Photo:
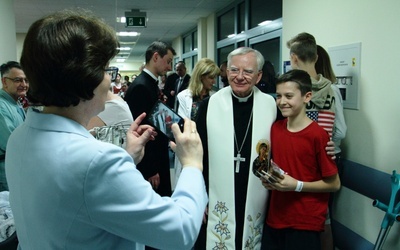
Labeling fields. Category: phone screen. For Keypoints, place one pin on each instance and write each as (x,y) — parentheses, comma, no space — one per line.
(162,117)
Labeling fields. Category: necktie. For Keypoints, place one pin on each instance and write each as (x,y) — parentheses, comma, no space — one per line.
(176,93)
(179,84)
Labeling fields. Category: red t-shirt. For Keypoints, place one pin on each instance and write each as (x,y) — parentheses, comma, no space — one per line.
(303,156)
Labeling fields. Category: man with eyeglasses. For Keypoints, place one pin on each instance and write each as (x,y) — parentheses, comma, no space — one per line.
(231,123)
(15,85)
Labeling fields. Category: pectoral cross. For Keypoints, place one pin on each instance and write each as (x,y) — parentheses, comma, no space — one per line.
(238,159)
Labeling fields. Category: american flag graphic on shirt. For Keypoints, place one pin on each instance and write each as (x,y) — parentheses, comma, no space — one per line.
(324,118)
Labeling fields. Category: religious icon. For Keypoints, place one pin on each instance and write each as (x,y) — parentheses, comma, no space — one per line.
(261,163)
(263,166)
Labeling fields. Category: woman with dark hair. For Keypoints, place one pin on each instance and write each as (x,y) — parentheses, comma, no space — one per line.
(71,191)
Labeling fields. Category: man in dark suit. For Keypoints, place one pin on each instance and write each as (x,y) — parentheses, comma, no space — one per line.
(141,96)
(169,83)
(173,88)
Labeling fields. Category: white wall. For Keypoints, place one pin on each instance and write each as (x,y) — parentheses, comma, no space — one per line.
(211,37)
(373,134)
(8,50)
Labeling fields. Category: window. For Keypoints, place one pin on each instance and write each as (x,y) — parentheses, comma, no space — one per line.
(189,55)
(245,16)
(264,10)
(241,18)
(226,24)
(223,53)
(187,43)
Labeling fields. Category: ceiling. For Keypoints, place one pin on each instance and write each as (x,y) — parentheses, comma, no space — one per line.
(167,19)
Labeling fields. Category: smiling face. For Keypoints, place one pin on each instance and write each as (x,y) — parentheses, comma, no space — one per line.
(243,74)
(14,83)
(289,99)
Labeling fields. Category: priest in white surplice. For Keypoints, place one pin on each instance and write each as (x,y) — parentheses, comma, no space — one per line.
(231,123)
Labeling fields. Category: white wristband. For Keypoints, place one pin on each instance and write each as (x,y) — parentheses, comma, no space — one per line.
(299,186)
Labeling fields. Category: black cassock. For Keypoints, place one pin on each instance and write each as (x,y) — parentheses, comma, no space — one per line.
(241,114)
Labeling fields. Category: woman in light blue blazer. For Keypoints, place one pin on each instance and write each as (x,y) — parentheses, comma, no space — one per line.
(71,191)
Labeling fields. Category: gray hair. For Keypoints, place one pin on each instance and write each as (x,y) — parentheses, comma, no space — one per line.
(244,51)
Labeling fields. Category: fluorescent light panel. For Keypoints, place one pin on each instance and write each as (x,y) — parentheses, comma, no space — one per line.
(265,23)
(125,33)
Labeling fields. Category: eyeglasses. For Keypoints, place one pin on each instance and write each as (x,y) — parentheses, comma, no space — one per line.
(247,73)
(113,72)
(18,80)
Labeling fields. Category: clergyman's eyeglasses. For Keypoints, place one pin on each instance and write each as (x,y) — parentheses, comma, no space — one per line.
(247,73)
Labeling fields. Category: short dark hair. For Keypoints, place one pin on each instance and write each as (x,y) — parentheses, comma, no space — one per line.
(6,67)
(64,57)
(301,77)
(304,46)
(160,47)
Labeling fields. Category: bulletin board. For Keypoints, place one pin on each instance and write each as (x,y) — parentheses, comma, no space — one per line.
(346,61)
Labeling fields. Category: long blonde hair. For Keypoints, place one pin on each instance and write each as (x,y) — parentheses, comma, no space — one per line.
(204,67)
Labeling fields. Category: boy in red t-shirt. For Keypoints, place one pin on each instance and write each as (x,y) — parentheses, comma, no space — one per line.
(299,197)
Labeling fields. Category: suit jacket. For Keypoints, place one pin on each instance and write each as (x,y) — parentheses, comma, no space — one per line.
(141,96)
(184,85)
(170,85)
(173,86)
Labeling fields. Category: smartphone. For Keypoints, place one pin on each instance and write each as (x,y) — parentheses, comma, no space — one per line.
(162,117)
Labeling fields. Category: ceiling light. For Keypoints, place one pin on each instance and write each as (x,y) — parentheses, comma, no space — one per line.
(127,43)
(120,60)
(125,33)
(121,19)
(124,48)
(265,23)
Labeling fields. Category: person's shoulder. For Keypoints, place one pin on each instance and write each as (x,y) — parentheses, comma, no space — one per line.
(143,76)
(184,94)
(335,89)
(4,96)
(204,103)
(103,154)
(134,89)
(279,123)
(140,82)
(3,100)
(317,130)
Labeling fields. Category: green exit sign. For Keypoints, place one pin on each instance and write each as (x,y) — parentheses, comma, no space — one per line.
(139,21)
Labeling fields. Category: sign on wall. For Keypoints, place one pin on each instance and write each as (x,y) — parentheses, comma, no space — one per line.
(139,21)
(286,66)
(345,61)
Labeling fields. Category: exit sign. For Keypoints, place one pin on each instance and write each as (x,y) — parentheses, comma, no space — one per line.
(139,21)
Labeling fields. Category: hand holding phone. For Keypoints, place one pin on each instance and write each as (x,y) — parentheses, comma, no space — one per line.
(162,117)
